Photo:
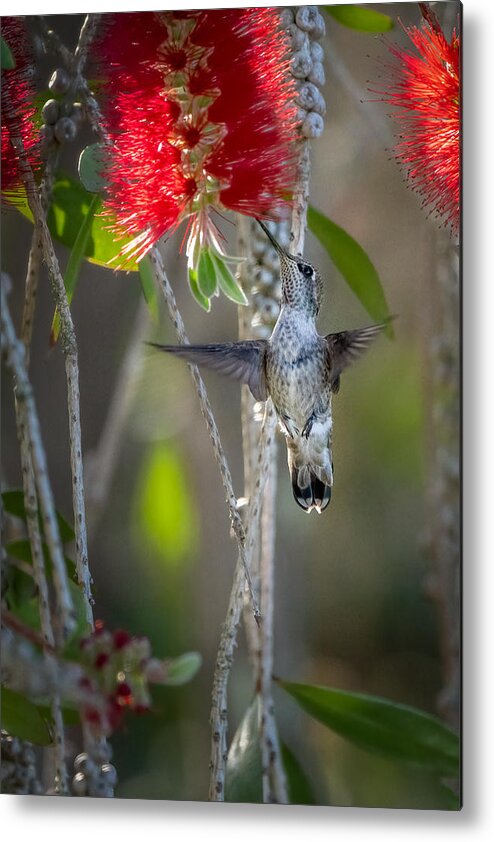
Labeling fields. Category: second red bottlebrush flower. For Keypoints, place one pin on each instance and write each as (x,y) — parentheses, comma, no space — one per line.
(425,89)
(199,108)
(18,110)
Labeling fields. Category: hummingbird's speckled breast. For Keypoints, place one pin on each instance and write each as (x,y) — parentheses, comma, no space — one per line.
(297,371)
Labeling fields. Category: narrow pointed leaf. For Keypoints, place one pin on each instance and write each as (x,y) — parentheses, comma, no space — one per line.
(74,263)
(17,586)
(148,287)
(299,786)
(206,274)
(13,503)
(7,59)
(91,167)
(21,718)
(382,727)
(182,669)
(353,263)
(201,299)
(361,18)
(227,283)
(243,782)
(244,768)
(21,550)
(69,204)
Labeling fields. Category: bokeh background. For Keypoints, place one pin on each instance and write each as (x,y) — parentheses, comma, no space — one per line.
(351,586)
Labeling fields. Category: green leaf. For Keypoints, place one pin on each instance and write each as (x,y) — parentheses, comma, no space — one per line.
(28,614)
(182,669)
(70,716)
(13,503)
(22,551)
(68,208)
(361,18)
(243,783)
(206,274)
(91,167)
(299,786)
(74,263)
(18,587)
(71,650)
(353,263)
(7,59)
(148,287)
(228,284)
(196,292)
(383,727)
(21,718)
(451,798)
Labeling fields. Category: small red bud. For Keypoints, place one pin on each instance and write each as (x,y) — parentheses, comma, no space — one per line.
(123,694)
(121,638)
(101,660)
(92,716)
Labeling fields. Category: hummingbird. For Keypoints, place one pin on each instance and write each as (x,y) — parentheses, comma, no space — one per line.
(298,369)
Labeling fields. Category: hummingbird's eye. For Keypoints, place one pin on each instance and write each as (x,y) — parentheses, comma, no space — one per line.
(305,269)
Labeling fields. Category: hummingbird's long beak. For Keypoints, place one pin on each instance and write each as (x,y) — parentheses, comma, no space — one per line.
(274,243)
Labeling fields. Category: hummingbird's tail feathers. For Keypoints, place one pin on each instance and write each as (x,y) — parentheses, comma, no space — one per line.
(321,494)
(311,474)
(309,491)
(301,493)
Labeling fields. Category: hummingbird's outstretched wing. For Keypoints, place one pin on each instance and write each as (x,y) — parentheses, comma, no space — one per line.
(345,347)
(242,361)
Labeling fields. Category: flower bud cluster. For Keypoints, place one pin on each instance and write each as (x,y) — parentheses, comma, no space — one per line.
(305,27)
(115,673)
(61,117)
(94,775)
(19,775)
(264,268)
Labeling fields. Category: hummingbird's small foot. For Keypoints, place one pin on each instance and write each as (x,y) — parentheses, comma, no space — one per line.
(288,427)
(308,426)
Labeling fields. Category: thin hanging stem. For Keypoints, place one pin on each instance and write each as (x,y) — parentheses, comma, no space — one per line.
(39,574)
(69,346)
(235,519)
(228,639)
(29,431)
(273,774)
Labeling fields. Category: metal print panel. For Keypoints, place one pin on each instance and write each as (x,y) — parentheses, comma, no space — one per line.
(231,405)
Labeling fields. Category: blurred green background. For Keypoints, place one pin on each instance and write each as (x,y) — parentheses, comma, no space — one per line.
(351,610)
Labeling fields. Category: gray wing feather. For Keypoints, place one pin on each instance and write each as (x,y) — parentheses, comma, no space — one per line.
(243,361)
(347,346)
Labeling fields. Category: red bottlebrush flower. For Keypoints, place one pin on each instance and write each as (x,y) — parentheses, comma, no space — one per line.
(199,108)
(17,105)
(426,90)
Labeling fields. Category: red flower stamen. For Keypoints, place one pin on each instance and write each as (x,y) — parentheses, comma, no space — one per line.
(18,111)
(425,90)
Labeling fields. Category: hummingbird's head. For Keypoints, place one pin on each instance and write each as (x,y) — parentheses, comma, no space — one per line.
(301,283)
